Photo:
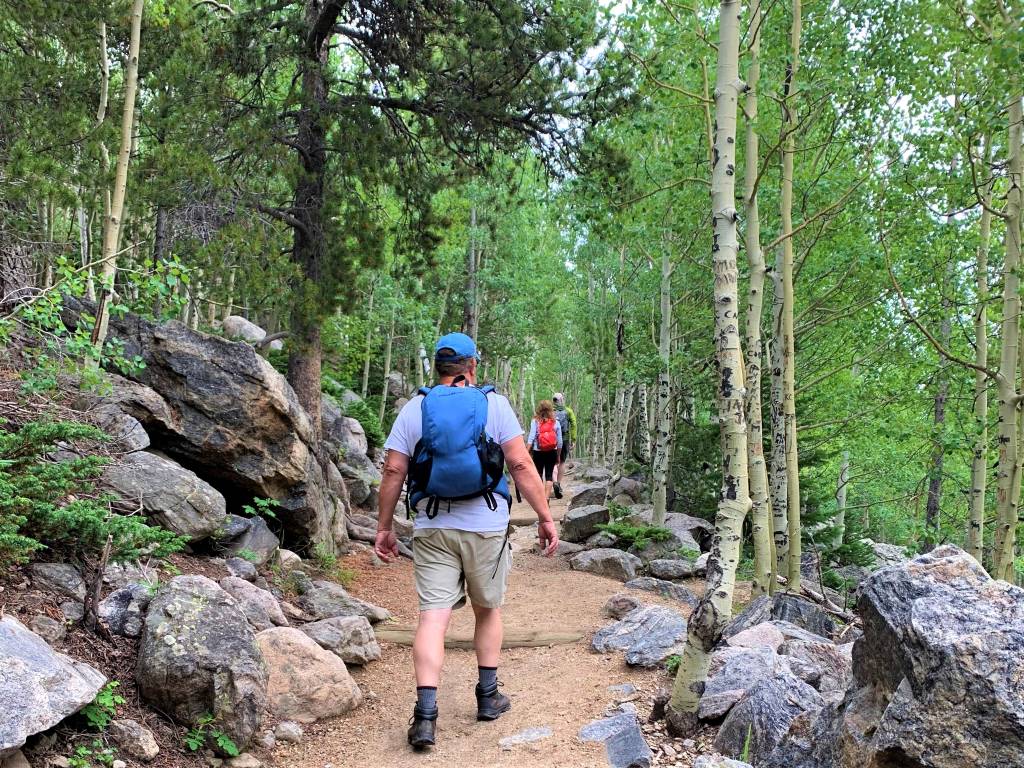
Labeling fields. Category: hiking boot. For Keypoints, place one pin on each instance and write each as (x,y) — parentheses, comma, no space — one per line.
(491,706)
(558,490)
(422,725)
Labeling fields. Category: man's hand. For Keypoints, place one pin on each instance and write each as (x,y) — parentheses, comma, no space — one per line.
(386,545)
(547,535)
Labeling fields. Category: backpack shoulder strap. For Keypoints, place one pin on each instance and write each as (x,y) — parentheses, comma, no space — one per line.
(424,391)
(487,389)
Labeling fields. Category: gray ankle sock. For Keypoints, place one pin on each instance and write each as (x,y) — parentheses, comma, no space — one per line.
(488,679)
(426,697)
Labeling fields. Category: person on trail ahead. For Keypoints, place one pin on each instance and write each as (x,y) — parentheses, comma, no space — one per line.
(452,441)
(567,421)
(545,442)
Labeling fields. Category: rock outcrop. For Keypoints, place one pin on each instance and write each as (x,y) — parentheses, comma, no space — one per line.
(198,656)
(936,676)
(581,523)
(648,635)
(38,686)
(610,563)
(349,637)
(307,683)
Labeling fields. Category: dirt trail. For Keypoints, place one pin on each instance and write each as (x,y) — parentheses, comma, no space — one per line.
(562,687)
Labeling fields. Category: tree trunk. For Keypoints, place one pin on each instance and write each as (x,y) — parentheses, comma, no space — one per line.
(709,618)
(931,513)
(788,349)
(112,224)
(663,403)
(1006,500)
(369,341)
(161,244)
(469,311)
(643,425)
(979,461)
(841,487)
(760,514)
(779,487)
(388,346)
(84,244)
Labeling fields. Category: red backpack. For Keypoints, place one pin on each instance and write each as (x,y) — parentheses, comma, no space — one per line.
(547,440)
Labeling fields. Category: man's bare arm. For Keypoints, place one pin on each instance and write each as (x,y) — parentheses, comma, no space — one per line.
(396,466)
(531,487)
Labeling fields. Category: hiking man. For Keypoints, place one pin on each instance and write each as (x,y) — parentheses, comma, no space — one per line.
(452,441)
(567,421)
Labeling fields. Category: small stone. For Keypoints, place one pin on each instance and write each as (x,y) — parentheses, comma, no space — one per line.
(214,762)
(689,744)
(119,764)
(17,760)
(619,605)
(266,740)
(51,630)
(59,762)
(241,569)
(244,760)
(73,611)
(527,736)
(668,750)
(135,739)
(289,732)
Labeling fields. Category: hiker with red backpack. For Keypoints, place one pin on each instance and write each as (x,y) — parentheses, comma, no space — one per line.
(452,442)
(545,442)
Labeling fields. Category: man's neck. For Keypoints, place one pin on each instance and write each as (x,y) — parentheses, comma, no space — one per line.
(467,380)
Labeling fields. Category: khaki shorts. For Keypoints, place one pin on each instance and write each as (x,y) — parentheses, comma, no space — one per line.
(449,564)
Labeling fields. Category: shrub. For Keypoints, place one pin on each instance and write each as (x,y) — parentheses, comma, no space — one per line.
(104,707)
(636,535)
(56,502)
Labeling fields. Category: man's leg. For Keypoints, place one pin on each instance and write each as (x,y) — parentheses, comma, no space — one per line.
(487,636)
(428,646)
(488,561)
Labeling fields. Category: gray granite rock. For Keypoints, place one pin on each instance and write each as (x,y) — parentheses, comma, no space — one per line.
(593,494)
(619,605)
(51,630)
(527,736)
(664,588)
(764,715)
(124,609)
(717,761)
(134,739)
(671,569)
(241,569)
(648,635)
(625,746)
(350,637)
(733,672)
(257,542)
(259,606)
(325,600)
(610,563)
(62,578)
(38,686)
(581,523)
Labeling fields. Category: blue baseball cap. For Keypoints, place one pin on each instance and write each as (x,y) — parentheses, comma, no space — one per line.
(461,345)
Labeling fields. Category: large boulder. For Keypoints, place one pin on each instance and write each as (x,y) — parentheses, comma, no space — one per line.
(594,473)
(176,497)
(672,545)
(257,543)
(695,533)
(887,555)
(664,588)
(62,578)
(125,431)
(124,609)
(648,635)
(627,486)
(220,409)
(733,672)
(581,523)
(624,743)
(38,686)
(307,683)
(762,718)
(198,657)
(588,495)
(349,637)
(238,328)
(783,607)
(259,606)
(325,600)
(936,676)
(610,563)
(670,569)
(833,662)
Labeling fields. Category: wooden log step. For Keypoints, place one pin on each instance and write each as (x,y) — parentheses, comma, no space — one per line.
(403,635)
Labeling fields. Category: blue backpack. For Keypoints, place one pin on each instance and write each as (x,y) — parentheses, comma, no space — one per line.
(455,459)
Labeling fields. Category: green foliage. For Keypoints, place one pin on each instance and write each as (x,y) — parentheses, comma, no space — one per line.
(640,536)
(103,708)
(247,554)
(360,411)
(327,562)
(206,730)
(44,502)
(617,511)
(85,754)
(745,569)
(745,754)
(688,554)
(261,507)
(672,663)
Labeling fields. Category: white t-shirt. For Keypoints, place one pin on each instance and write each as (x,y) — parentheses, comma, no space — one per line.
(470,514)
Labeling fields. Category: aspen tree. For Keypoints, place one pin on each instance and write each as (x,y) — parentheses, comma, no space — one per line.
(112,223)
(760,513)
(713,611)
(788,342)
(663,401)
(1007,502)
(778,487)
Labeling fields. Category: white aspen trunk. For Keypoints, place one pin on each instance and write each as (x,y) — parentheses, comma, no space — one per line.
(1006,498)
(521,401)
(663,402)
(112,225)
(760,513)
(709,618)
(622,442)
(369,340)
(422,366)
(788,349)
(388,346)
(979,460)
(841,487)
(643,425)
(84,243)
(469,311)
(778,487)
